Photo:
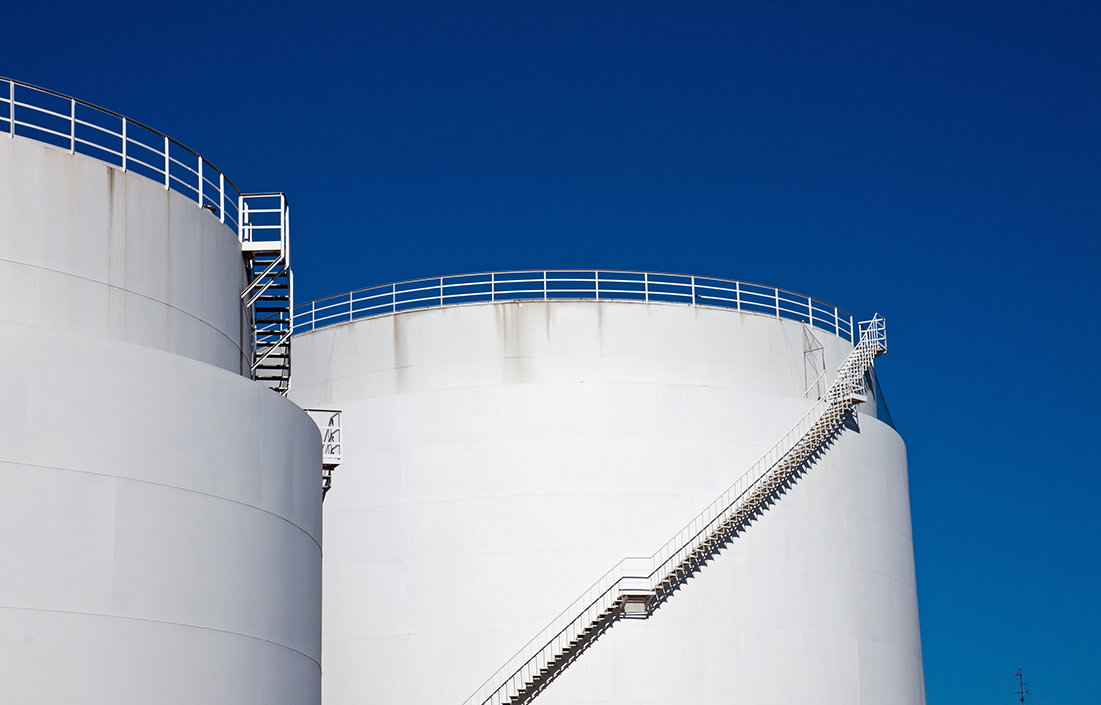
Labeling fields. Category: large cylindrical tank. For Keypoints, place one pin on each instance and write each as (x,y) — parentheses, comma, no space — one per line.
(159,512)
(500,457)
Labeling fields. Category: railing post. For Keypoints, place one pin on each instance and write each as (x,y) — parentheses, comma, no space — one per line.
(738,295)
(693,291)
(441,292)
(492,287)
(646,285)
(11,113)
(393,298)
(72,125)
(596,282)
(852,330)
(836,323)
(544,285)
(200,182)
(222,197)
(810,311)
(166,163)
(776,293)
(124,139)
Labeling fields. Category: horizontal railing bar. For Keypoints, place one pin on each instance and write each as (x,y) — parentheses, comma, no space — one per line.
(42,111)
(99,127)
(185,166)
(97,146)
(42,129)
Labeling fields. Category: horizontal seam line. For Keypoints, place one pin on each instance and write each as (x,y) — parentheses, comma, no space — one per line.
(160,621)
(128,291)
(174,487)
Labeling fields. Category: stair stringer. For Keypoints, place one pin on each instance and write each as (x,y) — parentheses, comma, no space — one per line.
(635,587)
(268,298)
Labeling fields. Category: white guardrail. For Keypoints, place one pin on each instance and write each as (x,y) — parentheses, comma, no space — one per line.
(82,128)
(600,285)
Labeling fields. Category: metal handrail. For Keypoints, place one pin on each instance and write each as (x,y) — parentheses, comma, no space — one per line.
(655,573)
(559,284)
(83,128)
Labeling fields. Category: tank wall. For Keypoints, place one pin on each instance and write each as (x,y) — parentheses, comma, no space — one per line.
(560,341)
(160,513)
(88,249)
(486,484)
(162,529)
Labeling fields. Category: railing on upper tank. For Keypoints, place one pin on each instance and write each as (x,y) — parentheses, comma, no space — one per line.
(82,128)
(598,285)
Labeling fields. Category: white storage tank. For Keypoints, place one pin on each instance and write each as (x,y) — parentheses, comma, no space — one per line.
(508,439)
(159,511)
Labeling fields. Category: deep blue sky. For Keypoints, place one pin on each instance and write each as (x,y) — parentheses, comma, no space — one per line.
(937,163)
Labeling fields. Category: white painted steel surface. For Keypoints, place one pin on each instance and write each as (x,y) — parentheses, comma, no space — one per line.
(94,251)
(82,128)
(499,458)
(159,512)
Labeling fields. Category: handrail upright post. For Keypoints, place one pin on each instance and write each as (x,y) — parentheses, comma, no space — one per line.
(72,125)
(544,285)
(810,311)
(166,163)
(200,182)
(124,144)
(693,291)
(738,295)
(222,197)
(646,285)
(11,112)
(776,294)
(441,292)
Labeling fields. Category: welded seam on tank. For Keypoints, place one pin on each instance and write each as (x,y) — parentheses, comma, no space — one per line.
(814,561)
(128,291)
(162,621)
(172,487)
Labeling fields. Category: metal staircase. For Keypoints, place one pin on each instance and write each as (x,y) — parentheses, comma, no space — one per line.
(268,299)
(637,586)
(328,422)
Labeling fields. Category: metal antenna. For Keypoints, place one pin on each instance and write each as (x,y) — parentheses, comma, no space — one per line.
(1021,685)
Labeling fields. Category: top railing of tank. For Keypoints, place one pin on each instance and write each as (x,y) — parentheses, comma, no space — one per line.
(82,128)
(599,285)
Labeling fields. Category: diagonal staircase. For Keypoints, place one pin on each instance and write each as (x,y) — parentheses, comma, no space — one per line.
(637,586)
(268,298)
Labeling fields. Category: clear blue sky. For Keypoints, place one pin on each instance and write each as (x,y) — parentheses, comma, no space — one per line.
(937,163)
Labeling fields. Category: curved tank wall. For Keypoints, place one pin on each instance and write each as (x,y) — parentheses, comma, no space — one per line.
(91,250)
(160,513)
(499,458)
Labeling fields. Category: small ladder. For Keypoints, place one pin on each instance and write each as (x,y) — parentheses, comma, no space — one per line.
(328,423)
(268,298)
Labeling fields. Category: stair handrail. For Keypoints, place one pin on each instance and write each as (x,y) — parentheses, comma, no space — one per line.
(553,640)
